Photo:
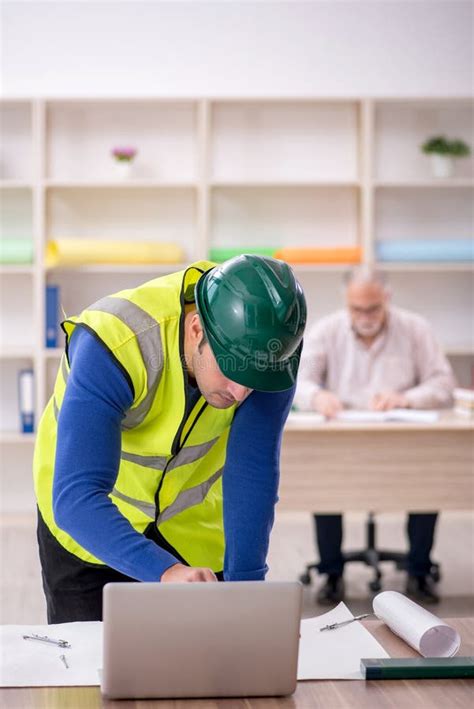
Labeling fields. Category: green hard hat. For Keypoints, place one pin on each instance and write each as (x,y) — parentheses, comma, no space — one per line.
(253,313)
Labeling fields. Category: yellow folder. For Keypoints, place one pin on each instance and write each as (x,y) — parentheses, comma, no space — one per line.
(79,252)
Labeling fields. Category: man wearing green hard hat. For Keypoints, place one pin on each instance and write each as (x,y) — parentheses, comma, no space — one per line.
(157,457)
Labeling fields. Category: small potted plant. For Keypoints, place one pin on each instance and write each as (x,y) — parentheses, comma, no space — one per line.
(124,157)
(442,152)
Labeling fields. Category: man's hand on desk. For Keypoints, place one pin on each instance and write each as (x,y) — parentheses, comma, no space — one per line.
(387,400)
(179,573)
(327,404)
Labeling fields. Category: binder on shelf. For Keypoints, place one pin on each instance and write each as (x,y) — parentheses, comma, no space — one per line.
(52,315)
(26,399)
(426,250)
(320,255)
(16,251)
(83,252)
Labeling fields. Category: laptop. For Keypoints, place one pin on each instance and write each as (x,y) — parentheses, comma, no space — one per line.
(233,639)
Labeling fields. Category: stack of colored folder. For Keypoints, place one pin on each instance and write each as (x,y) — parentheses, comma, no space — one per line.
(16,251)
(334,255)
(81,252)
(330,255)
(426,250)
(223,254)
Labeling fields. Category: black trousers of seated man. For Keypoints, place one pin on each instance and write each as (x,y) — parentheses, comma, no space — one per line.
(420,530)
(72,587)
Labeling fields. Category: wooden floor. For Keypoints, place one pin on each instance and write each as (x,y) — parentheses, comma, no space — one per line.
(21,597)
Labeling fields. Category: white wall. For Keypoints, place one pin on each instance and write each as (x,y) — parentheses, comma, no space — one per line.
(383,47)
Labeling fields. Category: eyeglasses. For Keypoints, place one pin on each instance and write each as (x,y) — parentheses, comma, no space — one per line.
(370,311)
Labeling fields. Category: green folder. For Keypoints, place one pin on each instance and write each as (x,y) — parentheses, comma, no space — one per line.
(16,251)
(224,254)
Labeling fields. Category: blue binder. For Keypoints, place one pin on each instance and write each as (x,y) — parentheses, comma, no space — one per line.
(52,315)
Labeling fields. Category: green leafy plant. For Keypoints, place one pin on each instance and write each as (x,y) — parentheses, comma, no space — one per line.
(459,149)
(440,145)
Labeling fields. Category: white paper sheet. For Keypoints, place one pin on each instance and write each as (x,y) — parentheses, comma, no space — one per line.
(306,417)
(425,632)
(335,654)
(403,415)
(31,663)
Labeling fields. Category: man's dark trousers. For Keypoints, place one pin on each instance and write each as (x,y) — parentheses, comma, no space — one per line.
(420,529)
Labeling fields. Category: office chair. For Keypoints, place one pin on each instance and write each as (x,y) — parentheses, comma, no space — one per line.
(371,556)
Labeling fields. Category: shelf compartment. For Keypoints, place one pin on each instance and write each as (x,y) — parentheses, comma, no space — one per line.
(123,214)
(81,288)
(16,214)
(81,135)
(407,214)
(284,142)
(402,127)
(279,217)
(16,162)
(18,323)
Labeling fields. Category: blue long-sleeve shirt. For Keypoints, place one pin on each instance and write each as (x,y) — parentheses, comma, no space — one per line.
(88,455)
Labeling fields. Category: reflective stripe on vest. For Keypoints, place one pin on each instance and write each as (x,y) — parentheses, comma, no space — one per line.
(147,331)
(64,369)
(188,498)
(185,456)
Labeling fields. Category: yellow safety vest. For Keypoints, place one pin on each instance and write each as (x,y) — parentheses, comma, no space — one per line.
(171,464)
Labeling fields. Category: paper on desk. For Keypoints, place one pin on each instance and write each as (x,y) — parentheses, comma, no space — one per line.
(305,417)
(31,663)
(335,654)
(425,632)
(408,415)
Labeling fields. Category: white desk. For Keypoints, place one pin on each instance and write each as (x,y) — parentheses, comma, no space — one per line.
(339,466)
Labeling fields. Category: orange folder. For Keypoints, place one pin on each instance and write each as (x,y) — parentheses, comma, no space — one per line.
(334,254)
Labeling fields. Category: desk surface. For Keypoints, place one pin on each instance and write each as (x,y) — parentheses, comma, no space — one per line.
(312,694)
(385,467)
(447,421)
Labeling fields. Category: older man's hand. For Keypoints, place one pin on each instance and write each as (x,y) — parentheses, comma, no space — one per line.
(179,573)
(386,400)
(327,403)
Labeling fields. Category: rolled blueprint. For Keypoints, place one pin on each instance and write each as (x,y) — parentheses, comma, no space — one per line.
(425,632)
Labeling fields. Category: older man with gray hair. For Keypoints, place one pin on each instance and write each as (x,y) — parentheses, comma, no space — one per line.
(373,356)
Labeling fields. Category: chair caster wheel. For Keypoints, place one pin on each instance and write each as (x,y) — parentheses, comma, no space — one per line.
(305,579)
(375,586)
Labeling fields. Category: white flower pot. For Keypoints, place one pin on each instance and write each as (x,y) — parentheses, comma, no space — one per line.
(123,169)
(442,165)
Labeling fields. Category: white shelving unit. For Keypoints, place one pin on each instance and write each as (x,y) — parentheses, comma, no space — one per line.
(227,173)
